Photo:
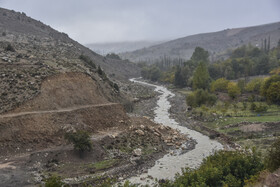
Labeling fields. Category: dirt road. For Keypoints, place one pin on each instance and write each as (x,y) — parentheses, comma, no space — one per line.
(55,111)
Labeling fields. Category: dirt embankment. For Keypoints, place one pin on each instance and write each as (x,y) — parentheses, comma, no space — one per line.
(63,91)
(68,100)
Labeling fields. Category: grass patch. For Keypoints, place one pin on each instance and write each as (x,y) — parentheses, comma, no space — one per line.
(104,164)
(234,120)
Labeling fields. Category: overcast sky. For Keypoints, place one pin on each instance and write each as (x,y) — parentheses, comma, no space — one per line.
(91,21)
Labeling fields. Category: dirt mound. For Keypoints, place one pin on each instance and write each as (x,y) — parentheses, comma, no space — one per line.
(65,90)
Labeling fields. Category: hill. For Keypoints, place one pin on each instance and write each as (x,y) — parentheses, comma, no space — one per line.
(31,51)
(120,47)
(18,28)
(217,43)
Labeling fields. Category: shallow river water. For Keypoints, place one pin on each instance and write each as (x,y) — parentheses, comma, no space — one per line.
(170,164)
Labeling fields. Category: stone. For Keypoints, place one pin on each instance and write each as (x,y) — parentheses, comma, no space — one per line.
(137,152)
(157,134)
(140,132)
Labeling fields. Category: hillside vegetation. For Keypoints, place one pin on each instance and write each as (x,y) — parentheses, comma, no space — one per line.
(217,43)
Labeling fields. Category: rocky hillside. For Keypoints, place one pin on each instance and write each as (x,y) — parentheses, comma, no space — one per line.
(16,27)
(31,51)
(217,43)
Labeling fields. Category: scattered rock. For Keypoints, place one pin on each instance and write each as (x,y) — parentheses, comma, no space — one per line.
(140,132)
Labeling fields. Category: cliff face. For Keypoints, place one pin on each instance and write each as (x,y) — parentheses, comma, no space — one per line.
(217,43)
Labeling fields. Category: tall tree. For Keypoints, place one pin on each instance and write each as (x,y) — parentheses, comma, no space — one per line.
(199,55)
(201,77)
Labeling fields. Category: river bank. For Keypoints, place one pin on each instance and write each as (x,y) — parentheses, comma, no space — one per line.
(170,164)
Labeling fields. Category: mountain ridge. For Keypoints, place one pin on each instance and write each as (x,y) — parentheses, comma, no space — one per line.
(217,43)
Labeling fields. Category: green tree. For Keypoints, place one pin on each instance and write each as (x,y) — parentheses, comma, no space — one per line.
(201,97)
(233,90)
(201,78)
(219,85)
(254,85)
(199,55)
(272,159)
(223,168)
(266,84)
(273,93)
(80,139)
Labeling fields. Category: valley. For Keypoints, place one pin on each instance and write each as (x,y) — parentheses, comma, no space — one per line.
(201,110)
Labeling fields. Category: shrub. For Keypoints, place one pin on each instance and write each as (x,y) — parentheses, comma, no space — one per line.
(253,106)
(272,159)
(116,87)
(219,85)
(261,108)
(224,168)
(273,93)
(10,48)
(267,83)
(87,61)
(201,97)
(233,90)
(254,85)
(241,84)
(100,71)
(80,139)
(113,56)
(54,181)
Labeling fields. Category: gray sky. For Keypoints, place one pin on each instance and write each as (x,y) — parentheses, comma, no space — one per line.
(89,21)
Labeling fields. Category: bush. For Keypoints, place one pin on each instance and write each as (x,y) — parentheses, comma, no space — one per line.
(87,61)
(54,181)
(273,93)
(201,97)
(80,139)
(272,159)
(261,108)
(224,168)
(254,85)
(219,85)
(113,56)
(116,87)
(267,83)
(100,71)
(233,90)
(10,48)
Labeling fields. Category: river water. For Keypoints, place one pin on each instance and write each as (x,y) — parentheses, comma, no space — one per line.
(171,163)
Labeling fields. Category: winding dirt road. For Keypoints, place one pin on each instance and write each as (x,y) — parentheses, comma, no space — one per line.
(9,115)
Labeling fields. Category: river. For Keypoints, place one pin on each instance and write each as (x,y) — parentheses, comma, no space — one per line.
(171,163)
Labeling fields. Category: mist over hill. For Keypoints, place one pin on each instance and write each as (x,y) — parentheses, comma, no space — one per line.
(217,43)
(120,47)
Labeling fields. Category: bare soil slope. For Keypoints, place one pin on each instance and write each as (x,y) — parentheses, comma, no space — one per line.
(67,101)
(66,90)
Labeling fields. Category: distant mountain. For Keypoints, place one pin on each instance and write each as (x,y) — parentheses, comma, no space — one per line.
(217,43)
(120,47)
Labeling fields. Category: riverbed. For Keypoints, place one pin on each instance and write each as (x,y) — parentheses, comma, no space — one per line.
(171,163)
